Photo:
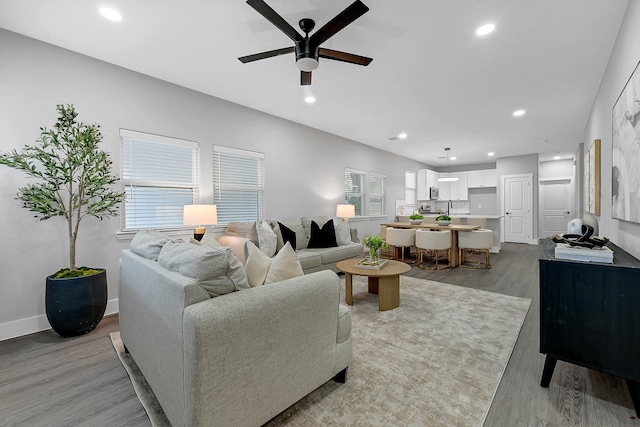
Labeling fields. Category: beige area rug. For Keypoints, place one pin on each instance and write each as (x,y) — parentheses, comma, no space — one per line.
(436,360)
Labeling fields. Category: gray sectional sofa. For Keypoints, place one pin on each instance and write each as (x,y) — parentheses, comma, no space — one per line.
(312,259)
(238,359)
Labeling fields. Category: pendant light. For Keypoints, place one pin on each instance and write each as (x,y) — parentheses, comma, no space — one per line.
(451,178)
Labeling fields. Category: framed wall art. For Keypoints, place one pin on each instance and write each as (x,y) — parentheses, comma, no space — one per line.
(625,156)
(592,179)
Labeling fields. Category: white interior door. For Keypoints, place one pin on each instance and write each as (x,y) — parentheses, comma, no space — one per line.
(555,207)
(517,201)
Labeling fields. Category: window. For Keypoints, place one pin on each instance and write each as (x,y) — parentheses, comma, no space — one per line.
(237,184)
(376,194)
(160,176)
(354,192)
(410,189)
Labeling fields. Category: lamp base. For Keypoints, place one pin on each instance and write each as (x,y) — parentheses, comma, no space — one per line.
(198,233)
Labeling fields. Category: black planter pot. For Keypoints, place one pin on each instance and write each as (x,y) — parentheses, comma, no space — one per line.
(76,305)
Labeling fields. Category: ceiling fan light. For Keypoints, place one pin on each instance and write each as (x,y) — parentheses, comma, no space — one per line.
(307,64)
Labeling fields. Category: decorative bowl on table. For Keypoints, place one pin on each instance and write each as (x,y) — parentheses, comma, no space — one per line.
(443,221)
(415,221)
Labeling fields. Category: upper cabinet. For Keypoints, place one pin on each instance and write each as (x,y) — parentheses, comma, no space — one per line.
(426,179)
(482,178)
(454,190)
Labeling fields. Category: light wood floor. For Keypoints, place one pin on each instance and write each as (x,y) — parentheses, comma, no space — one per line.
(49,381)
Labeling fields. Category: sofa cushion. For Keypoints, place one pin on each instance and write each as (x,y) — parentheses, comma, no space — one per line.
(148,244)
(209,239)
(343,233)
(288,235)
(267,239)
(217,270)
(243,229)
(275,226)
(324,237)
(257,265)
(309,258)
(295,224)
(331,255)
(306,223)
(284,265)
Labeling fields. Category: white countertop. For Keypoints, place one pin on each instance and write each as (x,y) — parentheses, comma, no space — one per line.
(434,215)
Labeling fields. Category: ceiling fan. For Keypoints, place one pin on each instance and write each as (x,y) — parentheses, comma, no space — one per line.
(307,49)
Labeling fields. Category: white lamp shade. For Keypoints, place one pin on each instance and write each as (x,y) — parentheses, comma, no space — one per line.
(346,211)
(200,214)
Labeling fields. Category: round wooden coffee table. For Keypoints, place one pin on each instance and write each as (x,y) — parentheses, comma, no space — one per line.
(384,282)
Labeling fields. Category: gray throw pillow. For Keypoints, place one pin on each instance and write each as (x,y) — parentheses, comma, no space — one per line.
(148,244)
(343,233)
(268,241)
(217,270)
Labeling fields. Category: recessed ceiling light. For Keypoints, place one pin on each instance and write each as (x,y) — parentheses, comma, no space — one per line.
(402,135)
(110,14)
(485,29)
(310,99)
(518,113)
(491,153)
(452,158)
(556,157)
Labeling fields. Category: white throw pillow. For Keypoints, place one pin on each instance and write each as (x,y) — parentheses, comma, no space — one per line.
(267,239)
(257,265)
(285,265)
(343,233)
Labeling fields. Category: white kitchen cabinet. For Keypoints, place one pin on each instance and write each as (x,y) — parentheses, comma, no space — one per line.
(454,190)
(426,179)
(482,178)
(422,190)
(432,178)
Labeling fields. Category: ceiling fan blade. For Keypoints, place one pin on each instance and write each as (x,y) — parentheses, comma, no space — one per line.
(264,55)
(341,20)
(272,16)
(344,57)
(305,78)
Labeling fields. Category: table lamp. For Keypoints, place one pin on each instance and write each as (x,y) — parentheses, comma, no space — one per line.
(199,215)
(345,212)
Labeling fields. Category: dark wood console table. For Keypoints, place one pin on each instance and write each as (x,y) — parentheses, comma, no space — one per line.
(590,315)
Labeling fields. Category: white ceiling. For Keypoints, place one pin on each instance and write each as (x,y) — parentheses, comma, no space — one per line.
(431,76)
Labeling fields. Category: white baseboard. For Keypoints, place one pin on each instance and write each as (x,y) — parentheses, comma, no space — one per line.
(30,325)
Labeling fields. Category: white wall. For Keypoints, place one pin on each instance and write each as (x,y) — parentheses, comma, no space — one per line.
(623,60)
(304,167)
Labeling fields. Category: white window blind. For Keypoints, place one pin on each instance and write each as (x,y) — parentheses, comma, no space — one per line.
(376,194)
(354,189)
(160,176)
(238,184)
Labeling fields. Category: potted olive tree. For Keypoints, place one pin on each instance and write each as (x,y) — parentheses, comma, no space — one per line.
(74,181)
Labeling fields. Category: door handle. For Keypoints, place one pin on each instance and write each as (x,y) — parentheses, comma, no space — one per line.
(568,213)
(508,213)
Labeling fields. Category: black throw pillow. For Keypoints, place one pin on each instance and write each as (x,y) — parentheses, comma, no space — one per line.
(288,235)
(324,237)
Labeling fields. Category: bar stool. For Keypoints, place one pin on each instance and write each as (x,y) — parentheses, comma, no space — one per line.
(476,241)
(434,242)
(400,238)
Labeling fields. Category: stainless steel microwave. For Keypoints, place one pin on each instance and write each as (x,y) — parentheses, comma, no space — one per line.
(433,193)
